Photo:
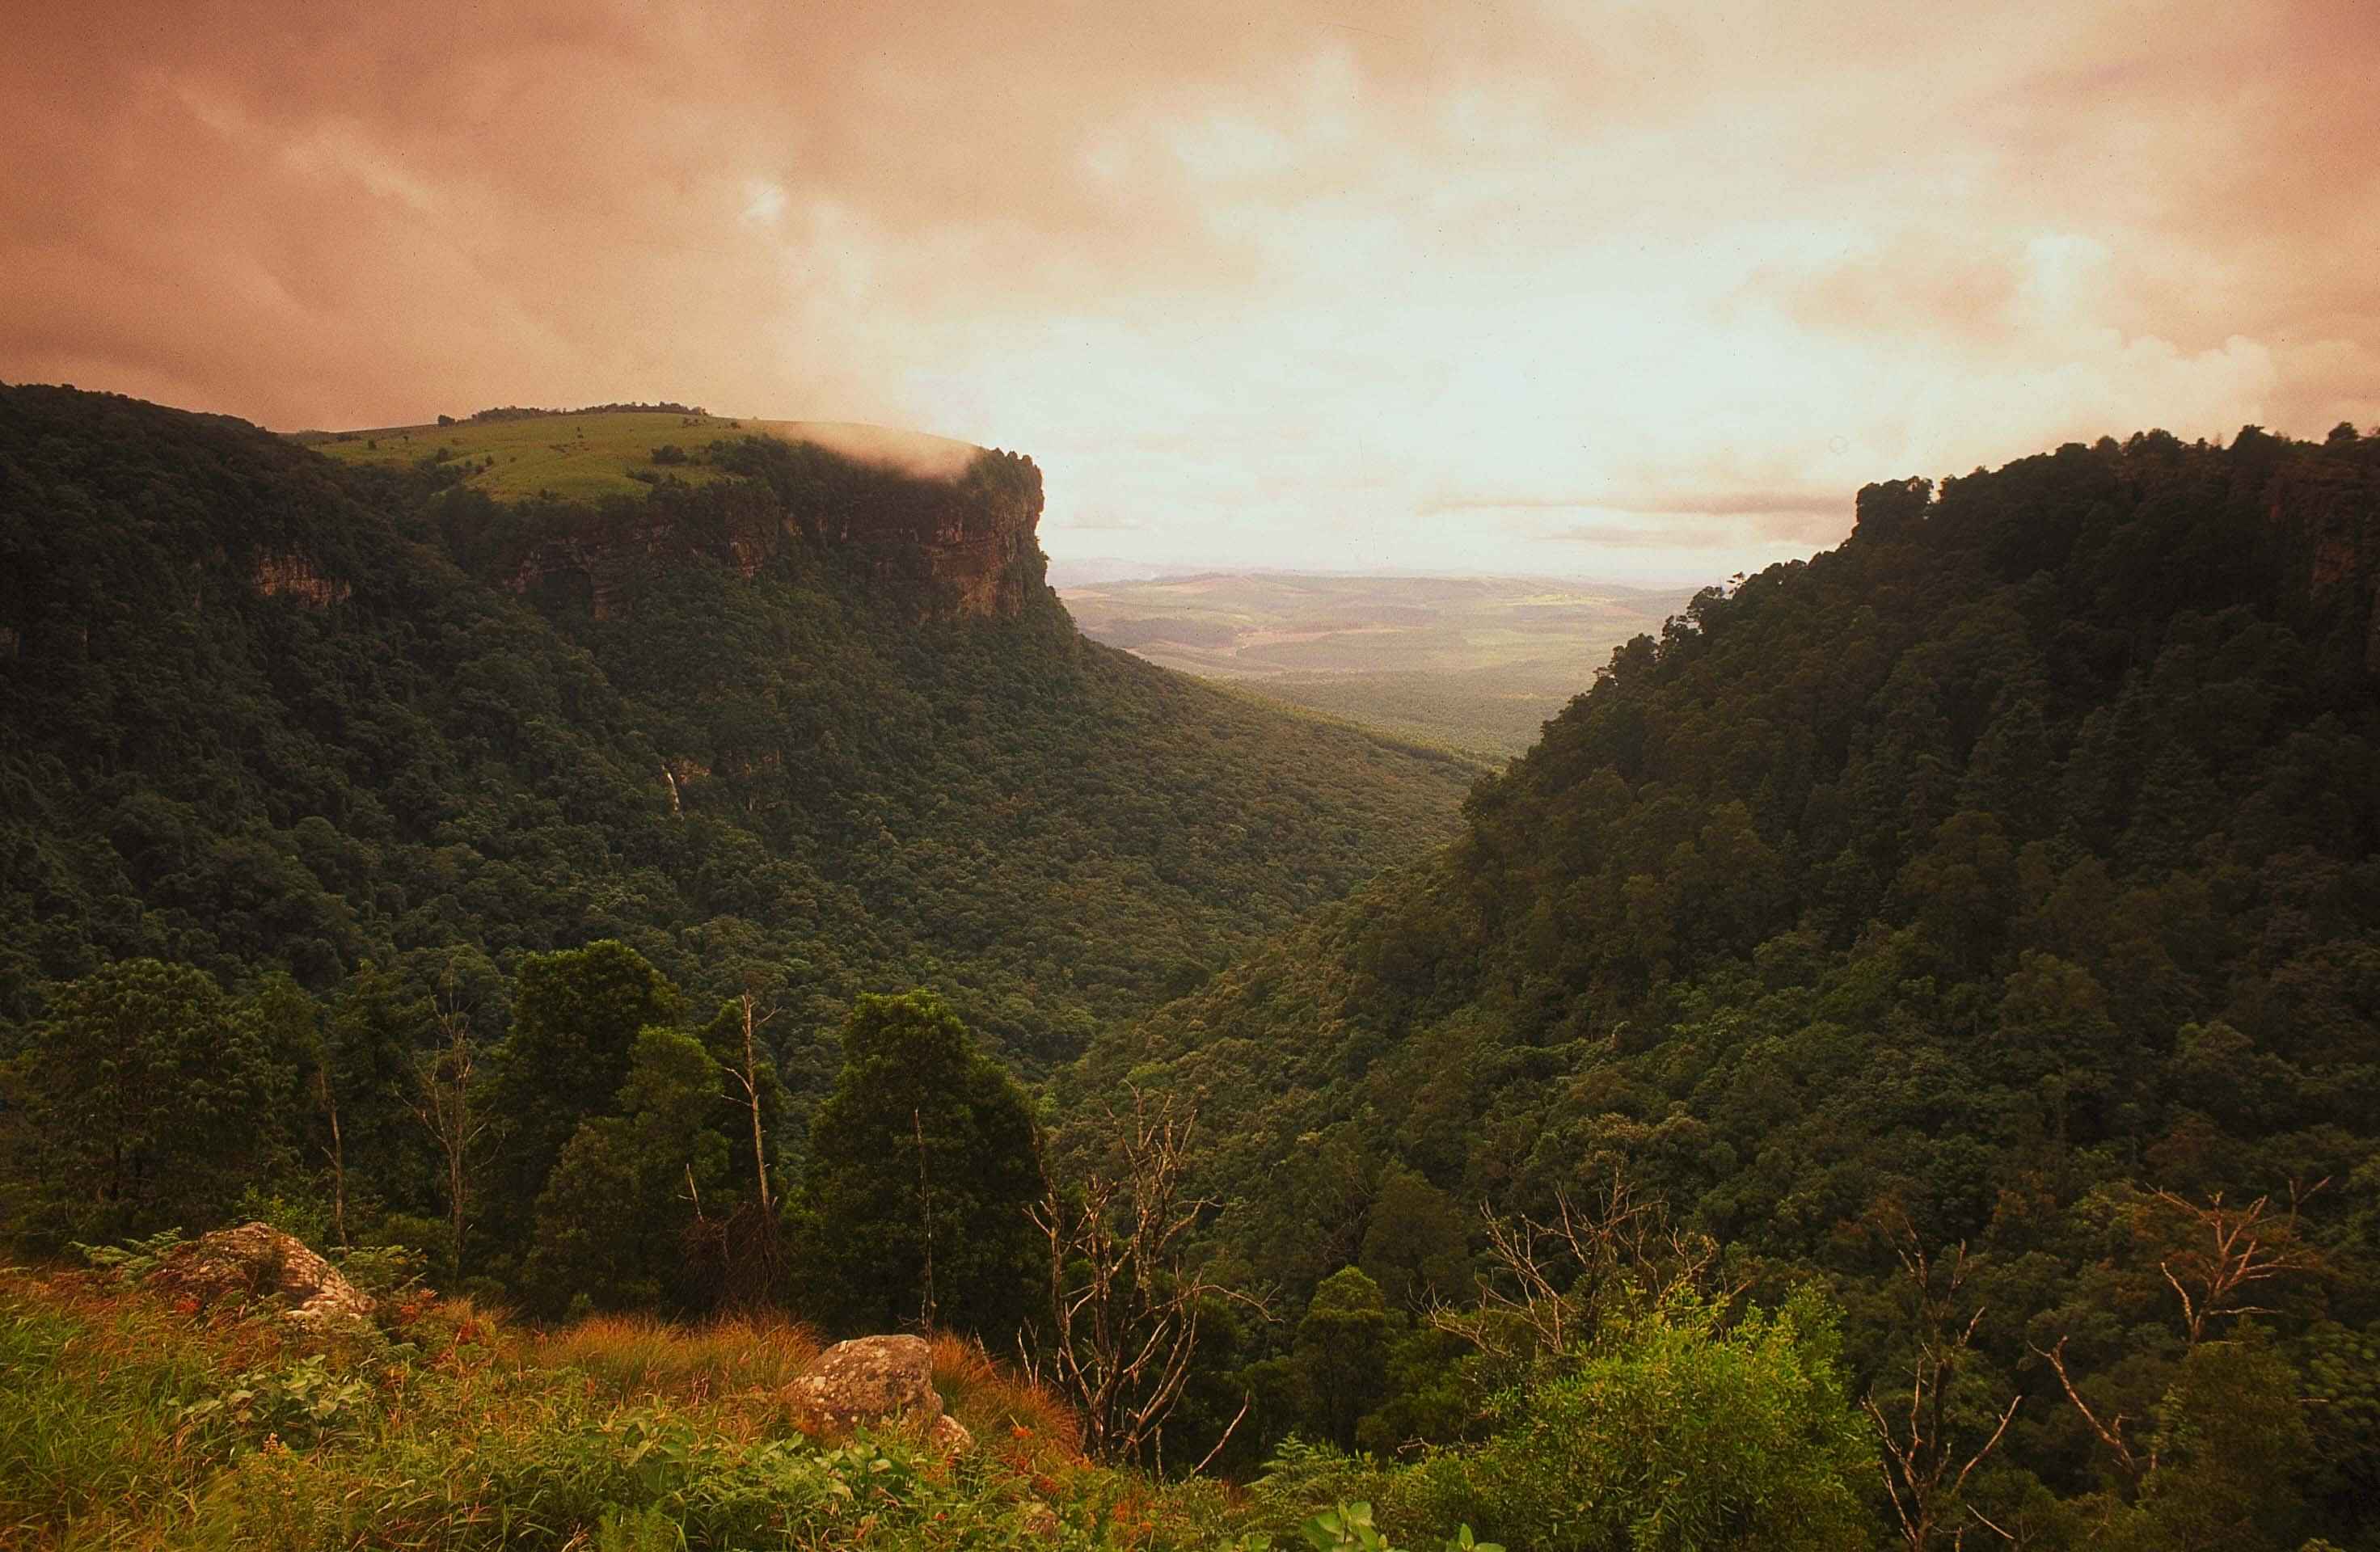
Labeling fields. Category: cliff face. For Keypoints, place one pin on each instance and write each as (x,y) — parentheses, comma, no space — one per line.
(2326,514)
(969,549)
(945,549)
(297,577)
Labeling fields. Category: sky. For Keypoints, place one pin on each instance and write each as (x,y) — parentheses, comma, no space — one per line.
(1629,291)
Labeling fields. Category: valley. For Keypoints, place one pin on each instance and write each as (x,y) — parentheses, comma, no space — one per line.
(747,897)
(1223,777)
(1475,663)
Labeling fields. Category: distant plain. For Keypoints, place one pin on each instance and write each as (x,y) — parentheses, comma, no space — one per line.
(1476,664)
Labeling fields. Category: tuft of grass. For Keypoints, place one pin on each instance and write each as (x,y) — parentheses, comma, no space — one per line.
(1024,1422)
(634,1356)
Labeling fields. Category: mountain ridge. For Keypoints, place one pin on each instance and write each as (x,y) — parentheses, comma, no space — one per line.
(277,712)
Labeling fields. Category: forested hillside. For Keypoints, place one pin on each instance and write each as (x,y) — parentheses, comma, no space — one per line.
(265,711)
(2004,878)
(1899,1058)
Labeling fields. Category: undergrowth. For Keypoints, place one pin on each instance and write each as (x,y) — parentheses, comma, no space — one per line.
(128,1421)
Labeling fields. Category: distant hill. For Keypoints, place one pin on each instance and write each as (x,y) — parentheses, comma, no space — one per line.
(276,707)
(1480,663)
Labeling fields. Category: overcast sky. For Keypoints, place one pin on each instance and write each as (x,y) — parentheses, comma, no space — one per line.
(1630,290)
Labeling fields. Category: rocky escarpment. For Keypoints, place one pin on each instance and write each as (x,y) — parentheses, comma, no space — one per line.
(2324,516)
(958,547)
(299,577)
(964,548)
(593,556)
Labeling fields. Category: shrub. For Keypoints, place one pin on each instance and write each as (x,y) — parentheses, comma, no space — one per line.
(1671,1431)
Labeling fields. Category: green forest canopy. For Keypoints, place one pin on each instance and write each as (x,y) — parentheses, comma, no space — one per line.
(1976,882)
(269,712)
(1975,923)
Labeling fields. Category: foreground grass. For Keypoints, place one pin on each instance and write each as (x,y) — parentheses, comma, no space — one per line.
(125,1423)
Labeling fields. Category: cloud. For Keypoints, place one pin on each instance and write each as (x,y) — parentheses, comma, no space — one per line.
(1799,504)
(1626,536)
(1274,283)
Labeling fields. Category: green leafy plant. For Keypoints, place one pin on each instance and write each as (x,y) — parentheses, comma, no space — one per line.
(133,1259)
(296,1403)
(1348,1527)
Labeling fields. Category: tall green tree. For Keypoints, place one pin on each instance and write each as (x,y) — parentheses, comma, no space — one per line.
(617,1222)
(151,1099)
(1341,1354)
(576,1018)
(363,1086)
(1416,1243)
(921,1170)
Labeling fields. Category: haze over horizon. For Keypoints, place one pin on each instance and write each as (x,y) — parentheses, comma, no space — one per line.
(1624,291)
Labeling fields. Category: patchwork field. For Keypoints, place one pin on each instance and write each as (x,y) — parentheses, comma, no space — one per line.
(1477,663)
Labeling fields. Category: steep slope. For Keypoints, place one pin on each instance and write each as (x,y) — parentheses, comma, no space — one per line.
(2010,864)
(265,711)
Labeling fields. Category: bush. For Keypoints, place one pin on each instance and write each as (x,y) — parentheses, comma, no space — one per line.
(1670,1433)
(1673,1430)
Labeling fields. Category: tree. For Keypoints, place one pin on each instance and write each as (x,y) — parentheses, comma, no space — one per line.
(153,1101)
(1341,1354)
(744,1241)
(1553,1278)
(2225,1253)
(1923,1475)
(2231,1452)
(1126,1304)
(363,1083)
(1673,1430)
(576,1018)
(920,1175)
(444,1102)
(1415,1244)
(614,1222)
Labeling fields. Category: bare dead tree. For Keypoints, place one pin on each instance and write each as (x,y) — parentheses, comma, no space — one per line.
(926,1308)
(2229,1251)
(442,1102)
(1126,1299)
(1922,1474)
(1554,1275)
(2110,1432)
(746,1247)
(747,1076)
(327,1096)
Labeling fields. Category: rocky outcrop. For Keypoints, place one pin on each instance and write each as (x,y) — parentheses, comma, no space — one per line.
(872,1382)
(2327,514)
(961,547)
(866,1381)
(257,1261)
(295,576)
